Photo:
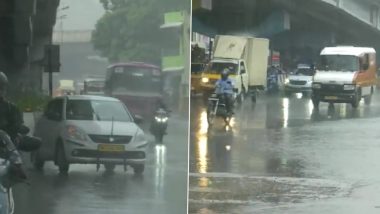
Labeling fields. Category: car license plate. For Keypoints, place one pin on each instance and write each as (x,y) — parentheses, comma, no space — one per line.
(331,97)
(110,148)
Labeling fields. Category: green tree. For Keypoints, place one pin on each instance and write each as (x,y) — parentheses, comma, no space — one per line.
(129,30)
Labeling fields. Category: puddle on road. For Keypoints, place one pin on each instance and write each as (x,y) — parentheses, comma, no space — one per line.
(213,191)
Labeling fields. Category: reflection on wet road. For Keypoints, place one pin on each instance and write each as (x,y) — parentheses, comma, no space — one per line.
(161,189)
(280,154)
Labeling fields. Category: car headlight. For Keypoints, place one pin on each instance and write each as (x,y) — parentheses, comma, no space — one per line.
(74,133)
(205,80)
(286,81)
(140,137)
(349,87)
(317,86)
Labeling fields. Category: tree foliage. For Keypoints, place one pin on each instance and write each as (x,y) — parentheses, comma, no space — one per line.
(129,30)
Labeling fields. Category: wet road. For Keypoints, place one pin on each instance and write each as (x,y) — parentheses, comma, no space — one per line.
(281,156)
(162,188)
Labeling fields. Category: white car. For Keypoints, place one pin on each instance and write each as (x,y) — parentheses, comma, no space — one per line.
(82,129)
(300,81)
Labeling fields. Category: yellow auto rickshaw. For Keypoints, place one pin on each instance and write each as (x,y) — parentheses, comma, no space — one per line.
(196,75)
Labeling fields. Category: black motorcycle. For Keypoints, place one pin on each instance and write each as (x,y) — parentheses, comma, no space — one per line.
(159,124)
(216,107)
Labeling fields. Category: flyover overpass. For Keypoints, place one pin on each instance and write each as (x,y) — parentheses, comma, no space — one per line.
(297,28)
(25,27)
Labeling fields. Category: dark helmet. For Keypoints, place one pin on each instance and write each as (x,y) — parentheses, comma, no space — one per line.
(225,74)
(3,81)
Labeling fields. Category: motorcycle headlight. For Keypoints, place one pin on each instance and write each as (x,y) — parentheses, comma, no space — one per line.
(74,133)
(161,119)
(317,86)
(205,80)
(140,137)
(349,87)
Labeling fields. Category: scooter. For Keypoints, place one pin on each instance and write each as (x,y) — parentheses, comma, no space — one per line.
(160,124)
(217,108)
(11,172)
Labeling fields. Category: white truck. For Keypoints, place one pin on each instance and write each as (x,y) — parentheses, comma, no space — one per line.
(247,60)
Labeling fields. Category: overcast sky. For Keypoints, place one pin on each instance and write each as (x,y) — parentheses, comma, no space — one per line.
(82,14)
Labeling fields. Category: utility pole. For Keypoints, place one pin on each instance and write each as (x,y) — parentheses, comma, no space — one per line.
(52,49)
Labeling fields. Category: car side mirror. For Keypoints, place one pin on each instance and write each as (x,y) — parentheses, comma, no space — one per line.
(29,144)
(138,119)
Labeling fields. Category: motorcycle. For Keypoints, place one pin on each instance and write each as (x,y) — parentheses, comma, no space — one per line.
(160,124)
(11,172)
(217,107)
(272,83)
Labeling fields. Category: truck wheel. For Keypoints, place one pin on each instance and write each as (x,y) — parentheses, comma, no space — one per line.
(110,167)
(356,101)
(138,169)
(315,103)
(368,99)
(240,98)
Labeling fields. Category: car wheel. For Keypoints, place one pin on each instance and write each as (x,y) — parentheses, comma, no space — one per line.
(37,162)
(61,160)
(138,169)
(110,167)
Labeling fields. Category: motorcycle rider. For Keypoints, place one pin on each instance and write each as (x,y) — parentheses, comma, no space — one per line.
(160,104)
(11,118)
(11,121)
(224,90)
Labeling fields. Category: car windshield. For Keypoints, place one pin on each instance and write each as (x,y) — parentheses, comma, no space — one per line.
(97,110)
(218,67)
(304,72)
(346,63)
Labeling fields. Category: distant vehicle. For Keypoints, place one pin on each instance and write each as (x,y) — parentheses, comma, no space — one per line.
(300,81)
(92,86)
(66,87)
(247,60)
(196,76)
(345,74)
(160,124)
(138,85)
(89,129)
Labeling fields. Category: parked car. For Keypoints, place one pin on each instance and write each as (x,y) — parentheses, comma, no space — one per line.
(83,129)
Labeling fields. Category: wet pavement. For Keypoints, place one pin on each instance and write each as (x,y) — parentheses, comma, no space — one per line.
(281,156)
(161,189)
